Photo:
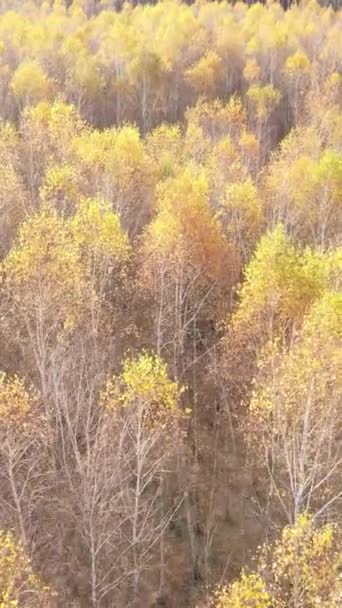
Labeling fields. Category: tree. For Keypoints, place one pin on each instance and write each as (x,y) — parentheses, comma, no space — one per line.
(297,68)
(61,188)
(104,253)
(47,132)
(170,186)
(186,260)
(252,70)
(323,109)
(23,439)
(207,74)
(83,80)
(294,415)
(307,198)
(142,404)
(13,198)
(281,283)
(306,565)
(147,73)
(263,99)
(242,213)
(45,285)
(249,590)
(114,165)
(113,58)
(301,568)
(19,585)
(30,85)
(165,147)
(218,119)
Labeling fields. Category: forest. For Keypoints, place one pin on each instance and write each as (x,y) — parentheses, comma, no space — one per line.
(170,304)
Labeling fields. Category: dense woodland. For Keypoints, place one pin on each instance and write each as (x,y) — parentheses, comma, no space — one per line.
(170,305)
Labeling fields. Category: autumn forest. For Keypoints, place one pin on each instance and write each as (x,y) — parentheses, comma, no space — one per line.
(170,304)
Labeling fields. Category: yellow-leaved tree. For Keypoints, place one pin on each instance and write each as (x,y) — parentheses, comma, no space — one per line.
(83,78)
(104,251)
(206,76)
(301,568)
(165,146)
(22,441)
(263,100)
(298,72)
(241,212)
(304,189)
(61,187)
(249,590)
(145,381)
(141,418)
(45,285)
(30,84)
(114,165)
(58,272)
(19,585)
(13,197)
(187,260)
(295,417)
(281,284)
(47,131)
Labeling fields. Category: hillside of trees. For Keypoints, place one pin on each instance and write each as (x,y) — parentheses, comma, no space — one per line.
(170,305)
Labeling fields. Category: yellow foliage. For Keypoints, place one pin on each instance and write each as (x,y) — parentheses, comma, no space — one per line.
(301,566)
(144,381)
(13,201)
(223,165)
(29,83)
(9,140)
(165,147)
(147,378)
(264,98)
(248,592)
(252,70)
(96,227)
(283,281)
(84,78)
(120,168)
(95,147)
(313,363)
(13,198)
(60,186)
(216,118)
(44,270)
(305,563)
(310,185)
(206,74)
(244,206)
(297,63)
(58,120)
(185,226)
(248,143)
(49,129)
(41,237)
(15,401)
(294,413)
(18,583)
